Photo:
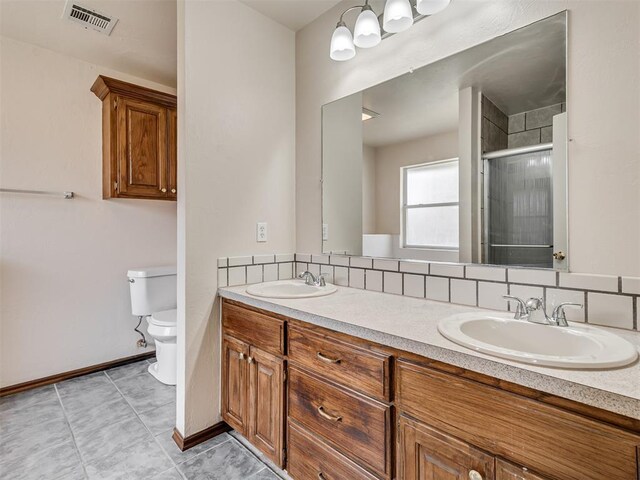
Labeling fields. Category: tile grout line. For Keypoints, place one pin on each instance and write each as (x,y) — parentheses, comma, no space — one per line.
(73,437)
(175,465)
(232,437)
(135,412)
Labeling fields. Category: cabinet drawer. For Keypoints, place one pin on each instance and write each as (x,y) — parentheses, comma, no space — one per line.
(350,365)
(312,459)
(350,422)
(262,331)
(546,439)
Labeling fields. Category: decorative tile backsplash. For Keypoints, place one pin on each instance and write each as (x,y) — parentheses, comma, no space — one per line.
(608,300)
(254,269)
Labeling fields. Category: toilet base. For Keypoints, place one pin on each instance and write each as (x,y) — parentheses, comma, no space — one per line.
(153,370)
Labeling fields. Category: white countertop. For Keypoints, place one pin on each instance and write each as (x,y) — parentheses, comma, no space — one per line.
(410,324)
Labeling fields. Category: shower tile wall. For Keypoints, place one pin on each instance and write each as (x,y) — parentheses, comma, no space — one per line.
(495,127)
(532,127)
(500,131)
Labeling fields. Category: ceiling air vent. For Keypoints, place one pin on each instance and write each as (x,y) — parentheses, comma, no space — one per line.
(89,18)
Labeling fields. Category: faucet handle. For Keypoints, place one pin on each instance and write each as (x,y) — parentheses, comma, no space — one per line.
(320,280)
(521,308)
(534,303)
(558,315)
(308,277)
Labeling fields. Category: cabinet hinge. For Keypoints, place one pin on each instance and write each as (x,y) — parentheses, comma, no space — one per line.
(115,103)
(115,186)
(284,456)
(284,376)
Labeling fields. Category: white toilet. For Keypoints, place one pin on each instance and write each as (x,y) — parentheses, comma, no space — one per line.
(153,296)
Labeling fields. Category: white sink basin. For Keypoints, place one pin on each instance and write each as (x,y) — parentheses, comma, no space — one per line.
(575,346)
(290,289)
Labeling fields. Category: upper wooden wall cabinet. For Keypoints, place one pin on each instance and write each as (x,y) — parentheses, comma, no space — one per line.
(139,155)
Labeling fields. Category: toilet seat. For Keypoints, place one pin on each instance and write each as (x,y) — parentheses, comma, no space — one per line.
(164,318)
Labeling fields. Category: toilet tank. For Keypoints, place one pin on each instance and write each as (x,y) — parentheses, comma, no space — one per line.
(152,289)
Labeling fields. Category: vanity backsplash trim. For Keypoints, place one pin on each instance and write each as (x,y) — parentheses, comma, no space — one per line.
(255,269)
(608,300)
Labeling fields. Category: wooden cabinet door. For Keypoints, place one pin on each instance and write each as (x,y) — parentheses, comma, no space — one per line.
(509,471)
(427,454)
(266,412)
(142,149)
(235,376)
(172,146)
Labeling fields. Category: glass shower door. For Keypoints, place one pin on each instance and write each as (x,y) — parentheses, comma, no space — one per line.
(519,210)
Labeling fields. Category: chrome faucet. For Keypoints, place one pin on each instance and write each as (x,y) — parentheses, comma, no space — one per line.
(536,312)
(308,277)
(533,310)
(521,308)
(311,280)
(559,317)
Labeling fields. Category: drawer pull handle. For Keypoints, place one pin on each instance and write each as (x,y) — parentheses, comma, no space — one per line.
(326,359)
(473,475)
(324,414)
(321,476)
(241,356)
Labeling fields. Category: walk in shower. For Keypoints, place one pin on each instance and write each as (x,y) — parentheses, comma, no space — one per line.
(518,207)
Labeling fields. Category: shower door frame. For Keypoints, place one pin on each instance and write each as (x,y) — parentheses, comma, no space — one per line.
(558,181)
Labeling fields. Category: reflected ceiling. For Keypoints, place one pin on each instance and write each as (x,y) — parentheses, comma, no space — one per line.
(519,71)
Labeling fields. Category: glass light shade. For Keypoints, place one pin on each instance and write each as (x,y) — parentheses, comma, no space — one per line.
(342,47)
(398,16)
(429,7)
(366,34)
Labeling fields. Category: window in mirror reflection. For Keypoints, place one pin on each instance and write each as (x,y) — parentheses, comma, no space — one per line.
(499,112)
(430,205)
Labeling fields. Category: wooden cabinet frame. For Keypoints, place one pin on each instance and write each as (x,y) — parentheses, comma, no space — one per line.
(425,453)
(266,404)
(139,137)
(449,420)
(253,395)
(235,373)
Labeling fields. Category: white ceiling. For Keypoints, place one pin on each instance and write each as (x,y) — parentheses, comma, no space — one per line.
(143,43)
(519,71)
(293,14)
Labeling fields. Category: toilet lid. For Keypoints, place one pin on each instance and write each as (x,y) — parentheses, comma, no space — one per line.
(165,318)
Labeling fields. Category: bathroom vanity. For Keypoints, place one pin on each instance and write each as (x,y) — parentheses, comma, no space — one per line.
(331,395)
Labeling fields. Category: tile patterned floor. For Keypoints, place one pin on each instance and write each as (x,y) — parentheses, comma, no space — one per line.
(112,425)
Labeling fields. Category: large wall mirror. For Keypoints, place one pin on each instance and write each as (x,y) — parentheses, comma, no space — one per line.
(463,160)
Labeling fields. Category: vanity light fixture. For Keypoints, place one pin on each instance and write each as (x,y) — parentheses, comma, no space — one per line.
(368,114)
(366,33)
(398,16)
(342,47)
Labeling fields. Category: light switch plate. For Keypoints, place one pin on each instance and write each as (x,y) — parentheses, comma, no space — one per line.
(261,232)
(325,231)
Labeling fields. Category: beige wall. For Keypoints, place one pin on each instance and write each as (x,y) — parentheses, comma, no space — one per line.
(603,78)
(389,160)
(368,189)
(64,300)
(236,82)
(342,165)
